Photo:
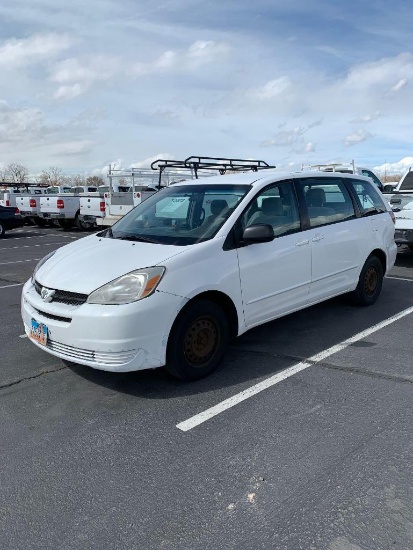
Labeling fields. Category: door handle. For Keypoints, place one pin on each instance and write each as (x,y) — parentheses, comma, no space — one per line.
(302,243)
(317,238)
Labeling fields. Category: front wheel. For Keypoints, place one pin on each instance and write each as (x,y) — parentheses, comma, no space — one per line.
(370,283)
(2,231)
(198,341)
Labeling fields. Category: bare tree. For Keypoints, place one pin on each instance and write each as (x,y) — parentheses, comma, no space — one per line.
(77,179)
(52,176)
(95,180)
(16,173)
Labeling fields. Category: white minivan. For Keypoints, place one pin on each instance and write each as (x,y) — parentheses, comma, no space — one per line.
(203,261)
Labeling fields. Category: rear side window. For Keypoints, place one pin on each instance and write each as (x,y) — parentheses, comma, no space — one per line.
(327,200)
(367,197)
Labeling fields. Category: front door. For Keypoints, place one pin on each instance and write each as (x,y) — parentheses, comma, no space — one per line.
(275,276)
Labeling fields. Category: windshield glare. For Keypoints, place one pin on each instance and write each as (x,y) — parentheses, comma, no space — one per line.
(180,215)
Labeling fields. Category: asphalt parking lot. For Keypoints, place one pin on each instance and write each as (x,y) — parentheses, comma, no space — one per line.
(302,440)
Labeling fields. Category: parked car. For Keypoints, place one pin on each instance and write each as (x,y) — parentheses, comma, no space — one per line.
(10,218)
(203,261)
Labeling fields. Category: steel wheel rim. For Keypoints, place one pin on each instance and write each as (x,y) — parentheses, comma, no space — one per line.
(201,341)
(371,280)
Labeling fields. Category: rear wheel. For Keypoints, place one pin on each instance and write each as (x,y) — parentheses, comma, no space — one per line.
(2,231)
(66,224)
(83,225)
(41,222)
(370,283)
(198,340)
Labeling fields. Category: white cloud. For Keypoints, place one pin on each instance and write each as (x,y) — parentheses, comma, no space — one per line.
(146,163)
(356,137)
(196,55)
(272,89)
(76,76)
(368,117)
(401,84)
(16,53)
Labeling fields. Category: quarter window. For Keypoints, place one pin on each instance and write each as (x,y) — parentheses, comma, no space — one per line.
(367,197)
(327,200)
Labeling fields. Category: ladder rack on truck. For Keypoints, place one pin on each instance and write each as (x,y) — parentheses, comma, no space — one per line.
(118,203)
(209,165)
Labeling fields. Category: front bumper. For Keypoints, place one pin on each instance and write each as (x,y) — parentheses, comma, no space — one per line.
(113,338)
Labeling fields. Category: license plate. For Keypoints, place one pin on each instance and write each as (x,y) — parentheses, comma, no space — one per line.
(39,332)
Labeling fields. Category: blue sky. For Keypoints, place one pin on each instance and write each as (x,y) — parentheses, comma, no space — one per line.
(85,84)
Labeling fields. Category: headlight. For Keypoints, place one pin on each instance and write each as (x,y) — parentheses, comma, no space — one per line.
(128,288)
(42,261)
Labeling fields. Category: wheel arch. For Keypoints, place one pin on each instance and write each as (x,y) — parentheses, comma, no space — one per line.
(222,300)
(380,254)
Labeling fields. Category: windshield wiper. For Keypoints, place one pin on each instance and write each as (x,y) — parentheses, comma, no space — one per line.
(136,238)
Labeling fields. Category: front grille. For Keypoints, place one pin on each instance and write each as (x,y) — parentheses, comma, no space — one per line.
(77,354)
(64,296)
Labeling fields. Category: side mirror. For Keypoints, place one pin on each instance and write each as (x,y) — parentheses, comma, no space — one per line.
(259,233)
(388,188)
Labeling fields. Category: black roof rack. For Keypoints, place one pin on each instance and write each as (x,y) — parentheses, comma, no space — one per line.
(222,165)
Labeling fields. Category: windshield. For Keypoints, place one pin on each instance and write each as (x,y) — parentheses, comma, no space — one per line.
(180,215)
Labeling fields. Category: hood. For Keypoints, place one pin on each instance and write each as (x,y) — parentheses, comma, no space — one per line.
(89,263)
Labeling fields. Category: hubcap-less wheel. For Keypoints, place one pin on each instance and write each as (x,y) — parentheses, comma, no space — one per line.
(370,281)
(201,341)
(198,340)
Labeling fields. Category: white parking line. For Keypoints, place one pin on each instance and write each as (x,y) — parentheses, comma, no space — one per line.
(20,261)
(39,236)
(400,279)
(198,419)
(30,245)
(9,286)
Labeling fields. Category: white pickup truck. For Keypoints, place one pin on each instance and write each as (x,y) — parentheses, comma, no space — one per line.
(28,202)
(93,205)
(348,168)
(8,195)
(120,202)
(401,202)
(63,205)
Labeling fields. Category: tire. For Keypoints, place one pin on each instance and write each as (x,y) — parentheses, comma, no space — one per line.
(410,246)
(370,283)
(2,231)
(198,341)
(41,222)
(66,224)
(82,225)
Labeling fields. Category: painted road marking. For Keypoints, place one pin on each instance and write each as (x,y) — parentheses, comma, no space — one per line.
(43,236)
(400,279)
(20,261)
(9,286)
(23,336)
(30,245)
(198,419)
